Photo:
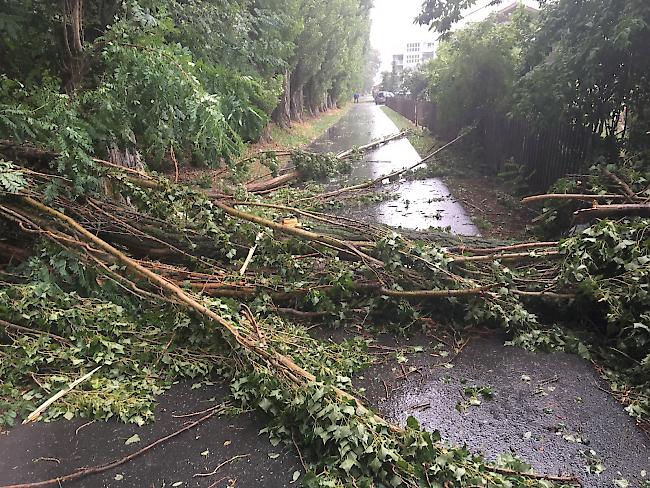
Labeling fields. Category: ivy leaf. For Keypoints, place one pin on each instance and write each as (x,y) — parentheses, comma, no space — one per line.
(132,440)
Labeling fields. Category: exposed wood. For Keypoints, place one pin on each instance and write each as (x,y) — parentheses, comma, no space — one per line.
(504,257)
(544,294)
(45,405)
(294,174)
(624,186)
(435,293)
(300,233)
(373,145)
(492,250)
(273,183)
(570,196)
(512,472)
(294,372)
(613,211)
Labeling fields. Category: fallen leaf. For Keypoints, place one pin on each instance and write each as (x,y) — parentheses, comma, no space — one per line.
(133,439)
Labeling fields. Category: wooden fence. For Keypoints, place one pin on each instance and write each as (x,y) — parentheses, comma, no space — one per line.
(545,154)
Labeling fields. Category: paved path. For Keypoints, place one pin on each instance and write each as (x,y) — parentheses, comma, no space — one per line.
(418,204)
(550,409)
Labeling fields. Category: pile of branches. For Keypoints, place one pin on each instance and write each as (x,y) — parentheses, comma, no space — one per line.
(606,191)
(227,279)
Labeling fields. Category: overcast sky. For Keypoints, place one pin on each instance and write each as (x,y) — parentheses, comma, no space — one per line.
(392,24)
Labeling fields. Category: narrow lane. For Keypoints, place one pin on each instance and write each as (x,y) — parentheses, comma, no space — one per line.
(417,204)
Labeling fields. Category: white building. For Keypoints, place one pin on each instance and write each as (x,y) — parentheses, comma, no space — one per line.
(414,54)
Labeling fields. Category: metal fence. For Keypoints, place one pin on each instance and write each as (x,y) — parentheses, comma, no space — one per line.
(546,154)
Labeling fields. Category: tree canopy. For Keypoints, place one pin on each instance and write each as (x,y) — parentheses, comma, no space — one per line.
(586,63)
(192,78)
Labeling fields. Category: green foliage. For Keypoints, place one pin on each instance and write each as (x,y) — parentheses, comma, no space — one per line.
(475,69)
(609,264)
(442,14)
(557,216)
(588,61)
(72,334)
(194,80)
(12,179)
(319,166)
(51,120)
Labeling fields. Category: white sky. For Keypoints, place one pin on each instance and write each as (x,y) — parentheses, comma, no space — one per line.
(392,24)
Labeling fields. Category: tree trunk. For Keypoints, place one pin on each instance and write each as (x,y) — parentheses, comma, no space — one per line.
(297,104)
(76,63)
(282,113)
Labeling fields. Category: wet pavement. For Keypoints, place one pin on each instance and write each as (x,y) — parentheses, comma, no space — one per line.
(418,204)
(551,409)
(41,451)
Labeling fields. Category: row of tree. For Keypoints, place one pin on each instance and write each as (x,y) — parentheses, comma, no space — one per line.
(186,79)
(585,63)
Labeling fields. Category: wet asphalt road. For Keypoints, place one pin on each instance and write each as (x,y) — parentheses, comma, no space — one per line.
(40,451)
(550,409)
(418,204)
(546,407)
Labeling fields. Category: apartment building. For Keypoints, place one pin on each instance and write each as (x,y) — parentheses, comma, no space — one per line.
(414,54)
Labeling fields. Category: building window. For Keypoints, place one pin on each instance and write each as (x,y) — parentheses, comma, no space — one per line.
(412,58)
(412,47)
(430,45)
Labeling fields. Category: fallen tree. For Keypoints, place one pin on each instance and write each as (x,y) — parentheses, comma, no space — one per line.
(165,251)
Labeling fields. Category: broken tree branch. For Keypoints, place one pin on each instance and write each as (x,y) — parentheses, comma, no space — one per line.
(373,145)
(389,176)
(570,196)
(44,406)
(614,211)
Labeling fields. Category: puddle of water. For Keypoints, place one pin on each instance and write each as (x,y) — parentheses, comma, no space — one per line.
(419,204)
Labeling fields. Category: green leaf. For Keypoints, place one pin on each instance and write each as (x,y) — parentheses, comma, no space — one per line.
(132,440)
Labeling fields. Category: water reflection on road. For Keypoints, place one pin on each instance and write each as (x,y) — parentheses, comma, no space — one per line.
(418,204)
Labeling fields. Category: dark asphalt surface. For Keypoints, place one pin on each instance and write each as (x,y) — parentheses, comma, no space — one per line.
(41,451)
(547,408)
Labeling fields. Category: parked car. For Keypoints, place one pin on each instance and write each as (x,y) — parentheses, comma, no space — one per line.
(382,96)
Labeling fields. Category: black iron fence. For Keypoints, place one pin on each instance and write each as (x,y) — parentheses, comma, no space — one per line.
(546,154)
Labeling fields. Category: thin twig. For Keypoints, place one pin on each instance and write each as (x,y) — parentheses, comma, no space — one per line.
(221,465)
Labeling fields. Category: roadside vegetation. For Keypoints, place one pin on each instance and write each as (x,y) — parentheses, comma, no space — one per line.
(299,135)
(117,281)
(488,199)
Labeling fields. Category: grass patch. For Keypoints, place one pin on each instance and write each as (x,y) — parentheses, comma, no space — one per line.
(301,134)
(419,137)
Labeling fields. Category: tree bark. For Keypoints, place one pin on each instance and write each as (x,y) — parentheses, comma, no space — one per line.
(75,59)
(282,113)
(612,211)
(297,104)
